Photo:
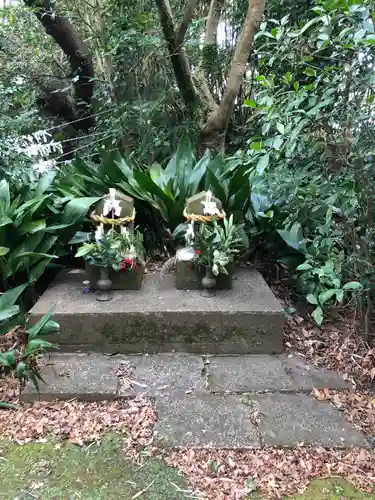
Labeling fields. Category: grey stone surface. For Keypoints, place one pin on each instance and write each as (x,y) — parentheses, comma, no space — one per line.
(158,374)
(307,377)
(89,377)
(247,374)
(287,419)
(204,421)
(159,318)
(188,414)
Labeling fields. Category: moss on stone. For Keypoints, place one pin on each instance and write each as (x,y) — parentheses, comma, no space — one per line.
(102,472)
(332,489)
(150,331)
(96,472)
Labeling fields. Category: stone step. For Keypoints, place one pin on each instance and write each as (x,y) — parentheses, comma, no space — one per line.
(231,421)
(93,376)
(223,401)
(159,318)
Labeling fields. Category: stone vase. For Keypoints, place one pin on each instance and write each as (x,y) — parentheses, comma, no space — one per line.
(208,283)
(104,285)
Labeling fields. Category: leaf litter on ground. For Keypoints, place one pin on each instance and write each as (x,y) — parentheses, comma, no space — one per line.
(274,472)
(81,422)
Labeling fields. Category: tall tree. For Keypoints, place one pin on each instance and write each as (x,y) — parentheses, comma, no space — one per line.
(76,107)
(213,112)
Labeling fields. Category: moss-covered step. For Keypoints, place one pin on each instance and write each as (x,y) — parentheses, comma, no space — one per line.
(159,318)
(100,471)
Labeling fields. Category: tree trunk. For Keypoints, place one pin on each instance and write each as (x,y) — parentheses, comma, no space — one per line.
(215,116)
(62,31)
(214,130)
(178,56)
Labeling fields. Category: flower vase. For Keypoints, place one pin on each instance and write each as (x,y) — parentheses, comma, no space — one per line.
(104,285)
(208,283)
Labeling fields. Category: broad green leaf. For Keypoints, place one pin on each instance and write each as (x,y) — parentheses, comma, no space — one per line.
(250,103)
(10,297)
(85,250)
(306,27)
(38,269)
(80,237)
(29,244)
(44,183)
(263,163)
(125,169)
(31,206)
(156,172)
(4,221)
(260,202)
(327,295)
(34,380)
(10,357)
(76,209)
(37,345)
(280,127)
(277,142)
(3,251)
(353,285)
(310,72)
(33,331)
(8,313)
(318,315)
(312,299)
(46,244)
(291,143)
(256,146)
(8,406)
(320,105)
(21,369)
(198,172)
(149,188)
(304,267)
(215,186)
(293,237)
(33,226)
(340,295)
(4,197)
(184,164)
(50,327)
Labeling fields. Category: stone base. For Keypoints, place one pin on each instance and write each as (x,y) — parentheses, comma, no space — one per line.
(245,320)
(188,278)
(121,280)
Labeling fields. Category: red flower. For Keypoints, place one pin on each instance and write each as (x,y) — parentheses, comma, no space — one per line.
(198,252)
(128,264)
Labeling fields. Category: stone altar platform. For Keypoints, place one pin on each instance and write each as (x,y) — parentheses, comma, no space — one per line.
(159,318)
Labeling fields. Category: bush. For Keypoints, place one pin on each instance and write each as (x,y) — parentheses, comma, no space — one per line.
(34,226)
(20,357)
(312,147)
